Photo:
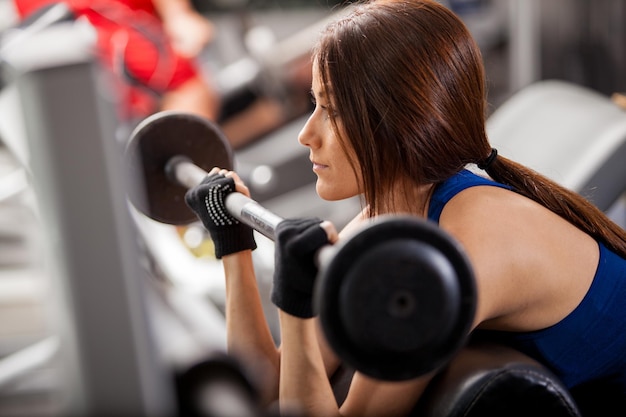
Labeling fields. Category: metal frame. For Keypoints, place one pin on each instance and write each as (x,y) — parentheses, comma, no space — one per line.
(108,359)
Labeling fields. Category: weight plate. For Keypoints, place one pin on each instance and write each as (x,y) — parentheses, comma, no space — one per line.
(397,300)
(153,143)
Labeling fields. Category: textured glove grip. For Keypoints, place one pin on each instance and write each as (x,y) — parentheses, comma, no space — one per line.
(207,199)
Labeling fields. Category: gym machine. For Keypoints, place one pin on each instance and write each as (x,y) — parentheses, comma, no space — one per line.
(574,135)
(109,362)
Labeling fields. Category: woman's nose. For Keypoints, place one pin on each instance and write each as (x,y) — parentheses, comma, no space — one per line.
(306,136)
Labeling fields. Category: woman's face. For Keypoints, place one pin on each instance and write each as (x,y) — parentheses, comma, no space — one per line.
(335,178)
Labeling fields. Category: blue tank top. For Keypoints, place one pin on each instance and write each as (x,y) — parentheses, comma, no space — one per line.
(590,343)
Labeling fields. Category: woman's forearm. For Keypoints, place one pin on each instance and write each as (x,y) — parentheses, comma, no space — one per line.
(248,334)
(304,383)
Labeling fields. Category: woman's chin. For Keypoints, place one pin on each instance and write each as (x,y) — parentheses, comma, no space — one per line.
(332,193)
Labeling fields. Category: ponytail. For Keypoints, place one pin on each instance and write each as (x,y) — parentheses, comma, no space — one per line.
(566,203)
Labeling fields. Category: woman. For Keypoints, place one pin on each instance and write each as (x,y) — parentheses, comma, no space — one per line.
(399,89)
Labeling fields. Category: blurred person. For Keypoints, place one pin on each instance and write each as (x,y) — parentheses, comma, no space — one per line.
(152,47)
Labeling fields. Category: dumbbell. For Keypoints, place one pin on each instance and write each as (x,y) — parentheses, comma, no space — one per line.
(395,300)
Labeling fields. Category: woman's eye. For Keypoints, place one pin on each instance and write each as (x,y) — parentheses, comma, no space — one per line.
(325,108)
(330,112)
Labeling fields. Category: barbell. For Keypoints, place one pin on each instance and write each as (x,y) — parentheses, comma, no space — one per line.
(396,300)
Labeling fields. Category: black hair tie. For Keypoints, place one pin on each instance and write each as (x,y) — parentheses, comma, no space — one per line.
(486,163)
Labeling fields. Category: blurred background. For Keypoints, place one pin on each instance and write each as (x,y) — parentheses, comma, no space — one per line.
(257,63)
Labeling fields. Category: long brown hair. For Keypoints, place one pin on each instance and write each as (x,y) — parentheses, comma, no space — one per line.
(408,84)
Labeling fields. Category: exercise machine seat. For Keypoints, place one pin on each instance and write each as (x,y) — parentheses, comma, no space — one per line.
(572,134)
(487,379)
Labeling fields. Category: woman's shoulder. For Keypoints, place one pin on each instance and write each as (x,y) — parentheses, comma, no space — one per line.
(501,215)
(509,235)
(448,189)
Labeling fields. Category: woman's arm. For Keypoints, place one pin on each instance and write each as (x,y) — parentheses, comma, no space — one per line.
(304,383)
(248,335)
(307,362)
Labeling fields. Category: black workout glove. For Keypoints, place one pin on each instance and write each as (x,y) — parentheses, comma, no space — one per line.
(297,241)
(229,235)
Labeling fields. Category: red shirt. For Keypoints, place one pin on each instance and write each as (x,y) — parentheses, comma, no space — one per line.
(133,45)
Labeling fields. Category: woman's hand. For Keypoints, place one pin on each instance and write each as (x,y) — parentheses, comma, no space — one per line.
(297,243)
(207,200)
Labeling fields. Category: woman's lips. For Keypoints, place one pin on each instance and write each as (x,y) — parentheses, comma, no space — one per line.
(318,167)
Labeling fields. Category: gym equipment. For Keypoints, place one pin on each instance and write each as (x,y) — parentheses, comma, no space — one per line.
(486,379)
(97,294)
(276,165)
(216,387)
(172,134)
(572,134)
(396,300)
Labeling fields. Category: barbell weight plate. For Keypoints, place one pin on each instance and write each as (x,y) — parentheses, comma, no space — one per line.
(156,140)
(404,309)
(397,300)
